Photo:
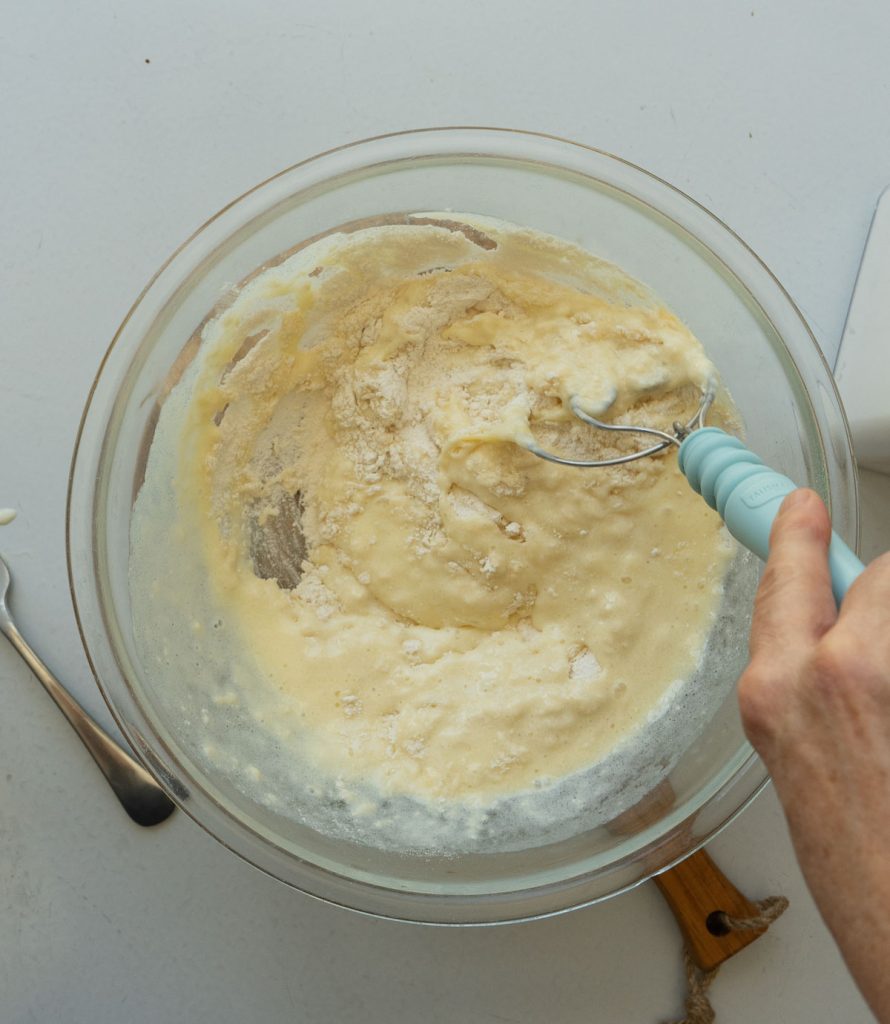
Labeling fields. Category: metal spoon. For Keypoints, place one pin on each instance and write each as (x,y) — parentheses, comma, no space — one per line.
(142,798)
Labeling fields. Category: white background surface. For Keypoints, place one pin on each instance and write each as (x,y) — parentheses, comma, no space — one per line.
(774,116)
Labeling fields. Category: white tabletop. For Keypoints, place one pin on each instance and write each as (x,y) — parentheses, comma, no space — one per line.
(122,127)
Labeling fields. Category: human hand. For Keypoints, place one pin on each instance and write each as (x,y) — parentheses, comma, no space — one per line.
(815,702)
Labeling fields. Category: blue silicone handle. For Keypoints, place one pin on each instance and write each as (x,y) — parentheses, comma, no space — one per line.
(747,495)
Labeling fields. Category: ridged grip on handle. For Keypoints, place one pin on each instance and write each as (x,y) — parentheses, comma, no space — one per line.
(747,495)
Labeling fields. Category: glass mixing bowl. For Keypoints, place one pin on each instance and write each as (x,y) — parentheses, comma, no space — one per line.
(694,263)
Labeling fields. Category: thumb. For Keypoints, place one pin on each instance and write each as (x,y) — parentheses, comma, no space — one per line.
(794,606)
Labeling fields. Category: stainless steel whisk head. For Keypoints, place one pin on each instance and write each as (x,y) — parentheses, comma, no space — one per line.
(680,431)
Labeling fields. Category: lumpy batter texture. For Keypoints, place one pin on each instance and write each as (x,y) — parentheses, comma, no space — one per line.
(424,605)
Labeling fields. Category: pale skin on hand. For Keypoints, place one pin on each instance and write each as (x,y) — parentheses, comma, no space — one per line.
(815,702)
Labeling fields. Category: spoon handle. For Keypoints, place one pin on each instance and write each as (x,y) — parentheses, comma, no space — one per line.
(141,797)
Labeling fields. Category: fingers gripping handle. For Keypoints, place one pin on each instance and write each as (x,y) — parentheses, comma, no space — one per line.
(747,495)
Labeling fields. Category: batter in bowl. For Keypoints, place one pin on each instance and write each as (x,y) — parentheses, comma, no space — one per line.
(419,605)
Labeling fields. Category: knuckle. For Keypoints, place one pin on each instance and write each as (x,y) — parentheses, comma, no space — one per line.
(763,624)
(845,670)
(835,659)
(760,701)
(782,578)
(770,581)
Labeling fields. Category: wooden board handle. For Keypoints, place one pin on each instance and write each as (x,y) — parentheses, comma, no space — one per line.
(698,893)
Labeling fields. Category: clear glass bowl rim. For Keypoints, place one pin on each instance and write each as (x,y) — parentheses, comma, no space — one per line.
(726,800)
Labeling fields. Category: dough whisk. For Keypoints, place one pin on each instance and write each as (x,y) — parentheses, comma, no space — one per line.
(734,481)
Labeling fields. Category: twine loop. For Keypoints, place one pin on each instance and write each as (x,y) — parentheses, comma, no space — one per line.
(698,1005)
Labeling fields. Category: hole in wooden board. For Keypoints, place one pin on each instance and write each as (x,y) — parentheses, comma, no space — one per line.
(717,924)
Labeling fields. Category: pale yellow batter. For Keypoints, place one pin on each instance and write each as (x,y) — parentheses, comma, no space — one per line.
(443,614)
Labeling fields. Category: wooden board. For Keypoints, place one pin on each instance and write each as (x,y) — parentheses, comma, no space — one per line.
(697,892)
